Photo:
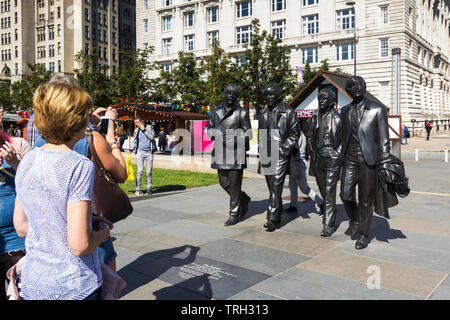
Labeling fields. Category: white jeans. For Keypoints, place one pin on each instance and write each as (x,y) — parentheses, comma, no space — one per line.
(300,181)
(147,158)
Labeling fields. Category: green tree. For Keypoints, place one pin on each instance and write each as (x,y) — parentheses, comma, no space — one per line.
(131,80)
(220,70)
(182,85)
(22,91)
(266,61)
(92,77)
(5,96)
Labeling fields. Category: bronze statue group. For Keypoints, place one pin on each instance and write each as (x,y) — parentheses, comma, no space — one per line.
(351,146)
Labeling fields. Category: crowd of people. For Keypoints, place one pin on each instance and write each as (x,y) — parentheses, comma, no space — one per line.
(46,191)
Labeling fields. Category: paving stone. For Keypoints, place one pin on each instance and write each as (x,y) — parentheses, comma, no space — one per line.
(161,215)
(131,223)
(249,256)
(287,241)
(301,284)
(126,258)
(427,225)
(194,231)
(252,294)
(394,276)
(404,254)
(441,293)
(203,276)
(154,244)
(147,288)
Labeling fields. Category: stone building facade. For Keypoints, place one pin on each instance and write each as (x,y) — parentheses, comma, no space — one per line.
(319,29)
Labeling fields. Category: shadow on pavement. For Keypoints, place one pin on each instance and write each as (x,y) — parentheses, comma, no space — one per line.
(383,231)
(255,208)
(200,285)
(157,269)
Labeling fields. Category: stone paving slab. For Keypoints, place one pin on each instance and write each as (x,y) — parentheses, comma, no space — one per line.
(427,225)
(250,256)
(287,241)
(203,276)
(160,215)
(403,254)
(301,284)
(252,294)
(132,222)
(155,244)
(394,276)
(155,289)
(194,231)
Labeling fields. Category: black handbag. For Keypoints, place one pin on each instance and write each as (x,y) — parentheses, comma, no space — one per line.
(108,200)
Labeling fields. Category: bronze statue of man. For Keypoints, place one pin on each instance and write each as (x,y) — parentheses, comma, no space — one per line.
(229,127)
(365,145)
(278,133)
(325,152)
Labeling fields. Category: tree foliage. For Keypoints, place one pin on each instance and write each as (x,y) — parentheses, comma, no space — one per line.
(266,61)
(131,80)
(92,77)
(22,91)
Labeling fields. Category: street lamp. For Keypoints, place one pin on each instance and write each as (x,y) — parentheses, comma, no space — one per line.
(352,3)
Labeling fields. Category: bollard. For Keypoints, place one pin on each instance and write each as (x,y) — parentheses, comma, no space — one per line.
(445,154)
(417,154)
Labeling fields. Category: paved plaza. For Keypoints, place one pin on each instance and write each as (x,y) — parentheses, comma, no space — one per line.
(174,246)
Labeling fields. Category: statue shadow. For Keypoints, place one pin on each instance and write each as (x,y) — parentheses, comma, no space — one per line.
(200,285)
(382,231)
(170,257)
(255,208)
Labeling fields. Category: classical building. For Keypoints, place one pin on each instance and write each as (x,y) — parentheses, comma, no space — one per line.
(127,26)
(52,32)
(16,38)
(322,29)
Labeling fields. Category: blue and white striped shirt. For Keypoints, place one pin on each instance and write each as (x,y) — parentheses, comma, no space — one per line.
(46,182)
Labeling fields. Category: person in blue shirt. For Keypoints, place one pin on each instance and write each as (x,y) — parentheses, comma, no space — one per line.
(12,247)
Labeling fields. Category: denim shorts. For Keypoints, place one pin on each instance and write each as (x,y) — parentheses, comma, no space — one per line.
(106,252)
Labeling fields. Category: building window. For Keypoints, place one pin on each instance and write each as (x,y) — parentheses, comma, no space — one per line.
(51,50)
(307,3)
(60,48)
(167,67)
(167,46)
(212,36)
(213,14)
(166,3)
(16,52)
(311,24)
(114,55)
(51,33)
(344,52)
(16,66)
(311,55)
(167,23)
(279,28)
(345,19)
(189,42)
(86,14)
(243,34)
(278,5)
(189,19)
(51,67)
(58,12)
(146,4)
(384,15)
(384,48)
(86,32)
(243,9)
(59,66)
(59,30)
(145,25)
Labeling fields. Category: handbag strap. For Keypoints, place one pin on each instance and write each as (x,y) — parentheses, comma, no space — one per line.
(93,154)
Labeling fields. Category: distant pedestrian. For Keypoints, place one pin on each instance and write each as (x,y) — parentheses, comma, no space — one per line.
(11,131)
(162,140)
(405,134)
(18,133)
(428,127)
(144,144)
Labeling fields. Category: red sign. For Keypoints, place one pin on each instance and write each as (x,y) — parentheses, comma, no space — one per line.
(305,113)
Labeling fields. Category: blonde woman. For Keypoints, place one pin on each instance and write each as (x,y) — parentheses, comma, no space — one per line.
(53,203)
